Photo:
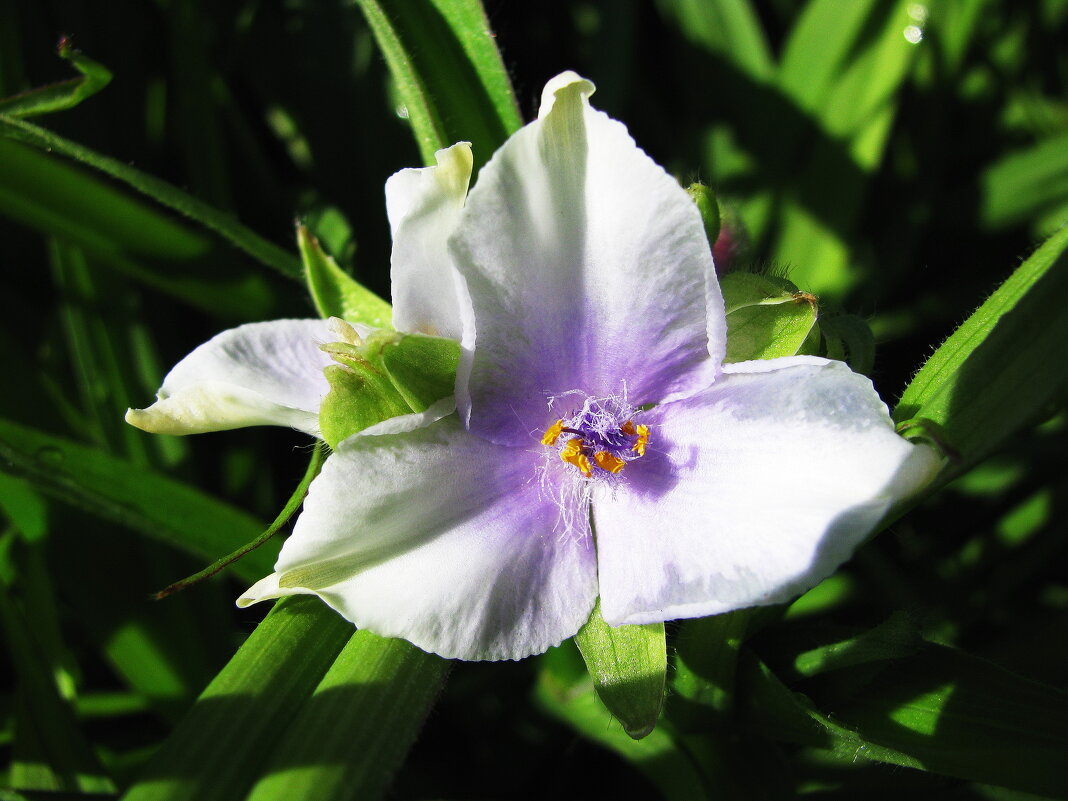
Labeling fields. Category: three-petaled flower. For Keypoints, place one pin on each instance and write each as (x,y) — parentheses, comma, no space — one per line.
(600,446)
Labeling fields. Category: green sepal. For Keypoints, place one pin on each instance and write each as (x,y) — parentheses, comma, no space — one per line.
(335,292)
(360,396)
(385,375)
(849,339)
(63,95)
(628,665)
(422,368)
(767,318)
(706,202)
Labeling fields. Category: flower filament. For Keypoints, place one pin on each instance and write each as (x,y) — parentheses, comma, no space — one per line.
(600,439)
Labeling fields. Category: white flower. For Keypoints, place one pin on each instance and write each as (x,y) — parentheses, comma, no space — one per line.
(600,447)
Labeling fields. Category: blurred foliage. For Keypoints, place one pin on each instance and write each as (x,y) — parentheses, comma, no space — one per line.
(897,159)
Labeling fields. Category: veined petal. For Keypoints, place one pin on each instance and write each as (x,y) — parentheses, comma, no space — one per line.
(424,206)
(587,267)
(257,374)
(443,539)
(751,492)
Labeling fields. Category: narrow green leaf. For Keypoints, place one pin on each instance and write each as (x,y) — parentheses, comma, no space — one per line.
(702,682)
(628,665)
(448,73)
(117,490)
(23,507)
(822,39)
(86,209)
(939,710)
(351,736)
(335,292)
(764,320)
(221,746)
(845,64)
(566,691)
(65,94)
(1000,370)
(964,717)
(46,193)
(221,223)
(894,639)
(728,28)
(50,752)
(1023,185)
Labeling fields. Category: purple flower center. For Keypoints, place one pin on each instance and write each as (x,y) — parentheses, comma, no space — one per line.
(600,438)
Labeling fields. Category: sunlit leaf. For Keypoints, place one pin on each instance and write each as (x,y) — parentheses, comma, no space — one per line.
(565,690)
(160,191)
(350,736)
(449,74)
(1000,369)
(152,504)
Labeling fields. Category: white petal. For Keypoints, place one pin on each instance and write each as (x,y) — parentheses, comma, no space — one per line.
(587,267)
(442,539)
(751,492)
(257,374)
(424,206)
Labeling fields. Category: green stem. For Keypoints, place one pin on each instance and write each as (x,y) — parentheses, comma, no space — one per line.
(294,502)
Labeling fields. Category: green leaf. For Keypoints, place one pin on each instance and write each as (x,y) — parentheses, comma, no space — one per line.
(222,745)
(894,639)
(221,223)
(53,196)
(23,507)
(129,494)
(50,752)
(703,680)
(843,63)
(46,193)
(566,691)
(1023,185)
(65,94)
(1000,370)
(448,73)
(335,292)
(350,737)
(728,28)
(764,320)
(628,665)
(939,710)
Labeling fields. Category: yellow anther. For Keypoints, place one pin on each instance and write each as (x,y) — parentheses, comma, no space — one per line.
(606,461)
(573,454)
(643,439)
(552,433)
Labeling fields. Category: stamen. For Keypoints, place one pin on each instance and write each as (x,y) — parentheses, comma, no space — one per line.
(643,438)
(608,462)
(628,428)
(573,454)
(552,433)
